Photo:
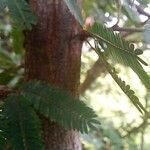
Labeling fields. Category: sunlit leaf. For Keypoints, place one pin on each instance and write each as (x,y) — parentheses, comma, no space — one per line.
(120,51)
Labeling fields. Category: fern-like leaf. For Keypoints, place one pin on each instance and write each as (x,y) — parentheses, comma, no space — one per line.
(23,124)
(75,10)
(125,88)
(58,105)
(21,13)
(120,50)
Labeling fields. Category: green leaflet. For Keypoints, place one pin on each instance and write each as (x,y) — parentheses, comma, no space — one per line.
(21,13)
(125,88)
(2,4)
(58,105)
(21,127)
(75,10)
(120,50)
(23,130)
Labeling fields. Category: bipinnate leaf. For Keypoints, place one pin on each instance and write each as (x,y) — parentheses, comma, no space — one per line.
(23,130)
(122,84)
(58,105)
(120,51)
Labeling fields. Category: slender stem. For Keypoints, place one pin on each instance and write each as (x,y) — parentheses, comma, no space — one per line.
(124,29)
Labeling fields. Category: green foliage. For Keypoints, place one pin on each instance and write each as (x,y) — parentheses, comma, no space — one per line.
(125,88)
(6,76)
(23,126)
(9,66)
(116,47)
(20,12)
(19,124)
(18,38)
(120,50)
(54,103)
(58,105)
(74,9)
(5,59)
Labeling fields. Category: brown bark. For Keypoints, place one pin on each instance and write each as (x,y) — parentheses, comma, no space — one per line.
(53,55)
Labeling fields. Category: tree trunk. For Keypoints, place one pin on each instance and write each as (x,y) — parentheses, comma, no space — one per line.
(53,54)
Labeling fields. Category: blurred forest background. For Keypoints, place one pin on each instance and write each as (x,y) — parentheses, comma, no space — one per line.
(122,126)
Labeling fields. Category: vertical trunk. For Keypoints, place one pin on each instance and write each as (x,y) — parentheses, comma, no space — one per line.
(53,54)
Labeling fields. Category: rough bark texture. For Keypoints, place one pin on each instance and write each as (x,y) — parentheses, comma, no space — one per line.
(53,54)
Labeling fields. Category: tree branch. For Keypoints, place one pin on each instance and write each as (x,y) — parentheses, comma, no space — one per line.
(92,74)
(4,91)
(138,128)
(140,9)
(124,29)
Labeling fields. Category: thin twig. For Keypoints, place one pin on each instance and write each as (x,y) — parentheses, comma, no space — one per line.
(124,29)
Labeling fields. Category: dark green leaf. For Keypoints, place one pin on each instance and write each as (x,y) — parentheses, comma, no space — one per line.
(59,105)
(6,76)
(23,124)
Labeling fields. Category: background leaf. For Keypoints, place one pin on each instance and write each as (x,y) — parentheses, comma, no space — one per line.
(21,13)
